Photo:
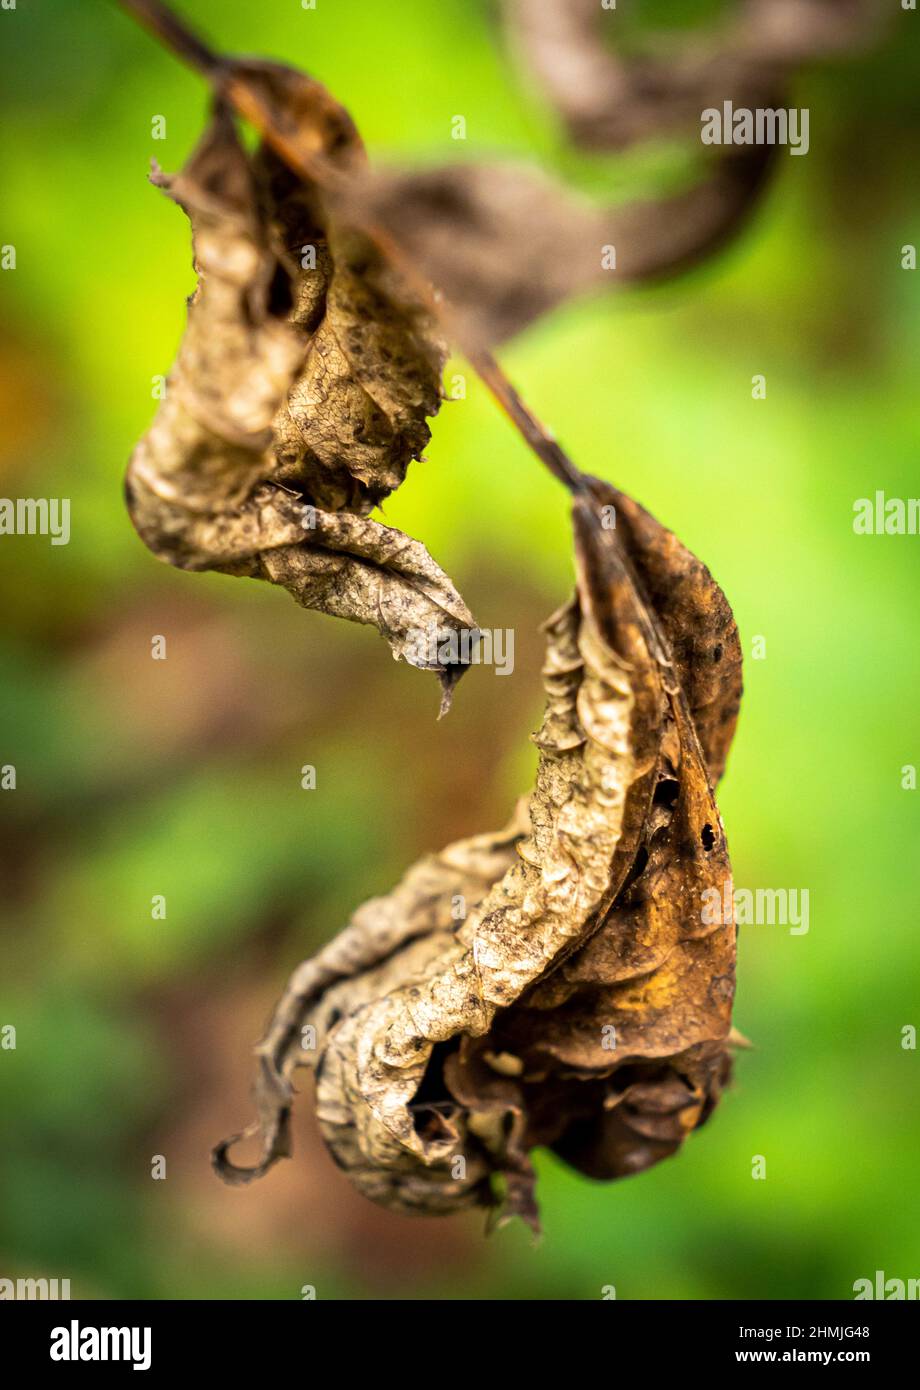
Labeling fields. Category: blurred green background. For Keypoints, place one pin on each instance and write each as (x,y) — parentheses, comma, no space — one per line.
(182,777)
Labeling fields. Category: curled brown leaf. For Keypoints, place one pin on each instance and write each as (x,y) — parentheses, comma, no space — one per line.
(300,393)
(446,1050)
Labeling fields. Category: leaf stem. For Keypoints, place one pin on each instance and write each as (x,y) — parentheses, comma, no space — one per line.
(175,34)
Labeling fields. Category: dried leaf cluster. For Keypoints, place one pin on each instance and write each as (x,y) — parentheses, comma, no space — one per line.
(554,984)
(313,353)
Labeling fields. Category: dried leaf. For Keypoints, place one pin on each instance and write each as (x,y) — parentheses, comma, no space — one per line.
(300,394)
(420,910)
(444,1053)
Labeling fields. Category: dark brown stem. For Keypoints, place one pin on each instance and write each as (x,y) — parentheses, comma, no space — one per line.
(175,34)
(522,417)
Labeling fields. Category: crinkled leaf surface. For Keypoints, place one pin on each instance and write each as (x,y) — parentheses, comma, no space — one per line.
(300,393)
(582,1001)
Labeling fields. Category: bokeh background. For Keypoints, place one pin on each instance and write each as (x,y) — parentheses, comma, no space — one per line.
(182,777)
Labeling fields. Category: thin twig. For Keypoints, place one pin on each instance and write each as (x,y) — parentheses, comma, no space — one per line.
(522,417)
(166,26)
(174,33)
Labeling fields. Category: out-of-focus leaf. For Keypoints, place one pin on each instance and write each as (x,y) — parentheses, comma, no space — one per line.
(609,100)
(506,243)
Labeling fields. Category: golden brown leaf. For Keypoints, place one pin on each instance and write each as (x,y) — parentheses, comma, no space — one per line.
(445,1051)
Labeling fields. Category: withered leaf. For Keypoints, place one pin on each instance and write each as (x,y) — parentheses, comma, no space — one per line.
(300,393)
(583,1002)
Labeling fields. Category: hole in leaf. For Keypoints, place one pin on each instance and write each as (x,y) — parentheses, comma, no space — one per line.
(638,867)
(666,792)
(280,295)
